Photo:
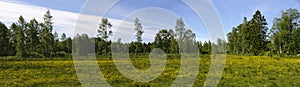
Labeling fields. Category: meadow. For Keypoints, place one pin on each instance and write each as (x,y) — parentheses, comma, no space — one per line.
(239,71)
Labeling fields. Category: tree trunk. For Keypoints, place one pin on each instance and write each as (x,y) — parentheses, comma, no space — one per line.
(280,51)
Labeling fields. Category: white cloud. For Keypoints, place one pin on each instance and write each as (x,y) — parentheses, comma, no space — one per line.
(64,21)
(152,19)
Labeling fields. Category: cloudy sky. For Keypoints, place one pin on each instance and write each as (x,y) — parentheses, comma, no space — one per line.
(153,14)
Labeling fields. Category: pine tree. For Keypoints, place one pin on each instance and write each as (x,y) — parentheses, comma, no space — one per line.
(233,41)
(47,38)
(56,43)
(258,33)
(33,32)
(63,37)
(139,33)
(20,37)
(139,30)
(13,37)
(104,33)
(180,29)
(4,40)
(174,48)
(249,37)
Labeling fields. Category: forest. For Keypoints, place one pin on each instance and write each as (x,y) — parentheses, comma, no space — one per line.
(33,39)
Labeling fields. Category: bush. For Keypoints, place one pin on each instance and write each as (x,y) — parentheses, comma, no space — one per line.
(61,54)
(34,55)
(267,53)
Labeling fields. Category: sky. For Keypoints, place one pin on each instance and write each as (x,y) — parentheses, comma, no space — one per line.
(153,15)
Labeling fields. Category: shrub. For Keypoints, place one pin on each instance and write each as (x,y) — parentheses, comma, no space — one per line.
(34,55)
(61,54)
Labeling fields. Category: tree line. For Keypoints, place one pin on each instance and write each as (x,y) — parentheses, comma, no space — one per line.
(171,42)
(253,37)
(35,39)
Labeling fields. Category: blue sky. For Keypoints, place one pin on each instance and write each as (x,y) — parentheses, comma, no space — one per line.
(231,13)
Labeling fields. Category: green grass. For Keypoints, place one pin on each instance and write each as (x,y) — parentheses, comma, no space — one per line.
(239,71)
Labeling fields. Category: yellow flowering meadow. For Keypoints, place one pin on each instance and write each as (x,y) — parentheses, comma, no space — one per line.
(238,71)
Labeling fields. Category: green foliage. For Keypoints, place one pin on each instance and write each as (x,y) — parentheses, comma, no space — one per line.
(104,33)
(104,29)
(34,55)
(47,38)
(63,37)
(206,48)
(20,38)
(162,40)
(250,37)
(4,40)
(219,47)
(174,48)
(285,32)
(62,54)
(13,38)
(37,40)
(83,45)
(32,39)
(258,33)
(139,30)
(32,36)
(180,29)
(185,38)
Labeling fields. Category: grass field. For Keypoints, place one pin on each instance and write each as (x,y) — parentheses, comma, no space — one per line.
(239,71)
